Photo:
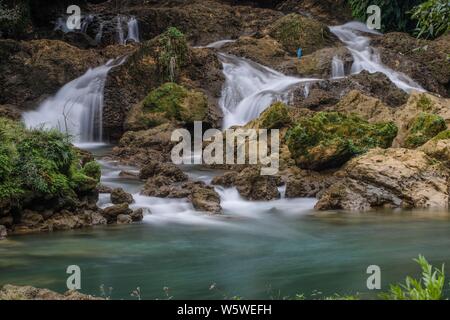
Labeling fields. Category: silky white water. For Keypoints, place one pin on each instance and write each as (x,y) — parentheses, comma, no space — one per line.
(337,68)
(77,108)
(133,30)
(250,88)
(366,58)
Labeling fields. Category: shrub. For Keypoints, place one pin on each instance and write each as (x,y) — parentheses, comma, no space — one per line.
(429,287)
(432,17)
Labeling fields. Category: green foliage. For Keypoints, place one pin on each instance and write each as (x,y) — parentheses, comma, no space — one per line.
(432,17)
(40,164)
(444,135)
(329,139)
(173,53)
(394,13)
(424,127)
(429,287)
(275,117)
(92,169)
(14,18)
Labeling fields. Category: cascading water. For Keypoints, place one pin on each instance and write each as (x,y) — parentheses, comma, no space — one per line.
(250,88)
(366,58)
(120,31)
(337,68)
(77,108)
(133,30)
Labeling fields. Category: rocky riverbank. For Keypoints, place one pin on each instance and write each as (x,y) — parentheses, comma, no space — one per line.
(357,139)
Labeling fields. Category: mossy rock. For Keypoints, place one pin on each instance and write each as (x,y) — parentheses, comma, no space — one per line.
(172,102)
(329,139)
(275,117)
(40,166)
(295,31)
(422,128)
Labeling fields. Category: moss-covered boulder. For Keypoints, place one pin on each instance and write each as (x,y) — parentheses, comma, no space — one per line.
(295,31)
(424,127)
(171,102)
(329,139)
(275,117)
(40,168)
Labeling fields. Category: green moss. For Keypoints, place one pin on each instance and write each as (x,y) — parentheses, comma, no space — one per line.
(424,103)
(424,127)
(39,164)
(295,31)
(444,135)
(329,139)
(275,117)
(92,169)
(174,102)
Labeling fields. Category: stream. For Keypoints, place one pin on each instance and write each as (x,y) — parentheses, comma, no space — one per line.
(255,250)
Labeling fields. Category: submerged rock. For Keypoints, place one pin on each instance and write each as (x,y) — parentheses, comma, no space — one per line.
(391,178)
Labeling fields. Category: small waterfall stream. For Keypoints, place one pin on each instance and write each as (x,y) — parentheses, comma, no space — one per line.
(337,68)
(366,58)
(77,108)
(250,88)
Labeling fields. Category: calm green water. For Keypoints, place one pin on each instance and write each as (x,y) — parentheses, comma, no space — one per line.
(269,256)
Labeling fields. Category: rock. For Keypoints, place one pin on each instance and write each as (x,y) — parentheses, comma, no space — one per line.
(422,128)
(97,219)
(253,186)
(31,71)
(124,219)
(417,104)
(437,148)
(3,232)
(7,221)
(205,198)
(319,63)
(306,184)
(226,180)
(111,213)
(67,221)
(137,215)
(104,189)
(10,292)
(388,178)
(31,219)
(423,60)
(294,31)
(367,107)
(129,175)
(331,12)
(329,139)
(167,170)
(11,112)
(327,93)
(119,196)
(275,117)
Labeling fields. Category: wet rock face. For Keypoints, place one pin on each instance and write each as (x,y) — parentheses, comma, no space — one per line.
(388,178)
(306,184)
(424,61)
(119,196)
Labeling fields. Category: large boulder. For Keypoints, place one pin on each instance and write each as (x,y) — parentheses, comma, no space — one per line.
(119,196)
(439,148)
(168,170)
(306,184)
(388,178)
(112,213)
(205,198)
(329,139)
(294,31)
(253,186)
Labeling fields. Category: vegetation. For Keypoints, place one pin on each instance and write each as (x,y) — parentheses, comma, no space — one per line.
(429,287)
(40,164)
(424,127)
(329,139)
(173,53)
(174,102)
(275,117)
(433,18)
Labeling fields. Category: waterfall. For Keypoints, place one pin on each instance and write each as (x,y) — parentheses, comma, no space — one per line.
(250,88)
(337,68)
(119,30)
(77,108)
(366,58)
(99,35)
(133,30)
